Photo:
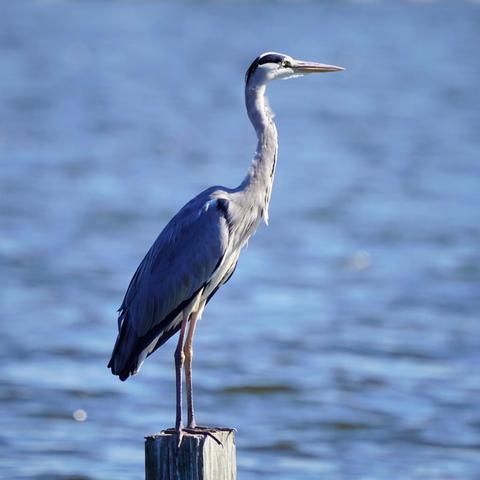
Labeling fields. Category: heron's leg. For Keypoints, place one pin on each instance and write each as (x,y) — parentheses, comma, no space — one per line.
(188,351)
(179,359)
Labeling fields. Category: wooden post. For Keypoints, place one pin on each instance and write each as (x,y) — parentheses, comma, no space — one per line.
(199,457)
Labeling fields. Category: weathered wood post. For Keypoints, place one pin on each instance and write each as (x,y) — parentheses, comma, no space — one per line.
(199,456)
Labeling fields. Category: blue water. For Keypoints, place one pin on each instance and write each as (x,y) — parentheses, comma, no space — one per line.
(347,344)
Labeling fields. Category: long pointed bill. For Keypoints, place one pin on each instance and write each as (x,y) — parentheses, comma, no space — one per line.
(312,67)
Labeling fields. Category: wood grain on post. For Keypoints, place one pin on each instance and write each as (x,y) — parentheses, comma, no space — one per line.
(199,457)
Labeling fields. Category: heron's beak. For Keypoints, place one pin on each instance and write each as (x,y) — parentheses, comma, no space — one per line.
(312,67)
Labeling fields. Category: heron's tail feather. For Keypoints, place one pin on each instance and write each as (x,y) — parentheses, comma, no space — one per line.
(124,358)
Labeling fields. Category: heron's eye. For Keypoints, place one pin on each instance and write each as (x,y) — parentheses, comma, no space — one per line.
(286,64)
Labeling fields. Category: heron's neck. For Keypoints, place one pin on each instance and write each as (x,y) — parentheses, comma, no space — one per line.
(259,180)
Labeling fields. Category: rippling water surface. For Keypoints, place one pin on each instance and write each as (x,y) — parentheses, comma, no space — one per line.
(347,345)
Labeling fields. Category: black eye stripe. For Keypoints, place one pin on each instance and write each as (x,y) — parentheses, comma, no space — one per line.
(271,58)
(268,58)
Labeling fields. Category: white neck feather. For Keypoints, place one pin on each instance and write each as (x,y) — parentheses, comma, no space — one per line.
(259,179)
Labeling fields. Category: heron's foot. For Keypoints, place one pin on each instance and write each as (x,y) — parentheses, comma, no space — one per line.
(214,429)
(202,430)
(195,430)
(178,432)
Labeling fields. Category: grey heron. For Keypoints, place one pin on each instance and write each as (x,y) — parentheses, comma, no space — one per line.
(197,252)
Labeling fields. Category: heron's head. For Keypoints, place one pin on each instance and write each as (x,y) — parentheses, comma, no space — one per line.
(271,65)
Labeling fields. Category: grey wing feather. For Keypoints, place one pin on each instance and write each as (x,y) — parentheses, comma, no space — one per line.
(180,262)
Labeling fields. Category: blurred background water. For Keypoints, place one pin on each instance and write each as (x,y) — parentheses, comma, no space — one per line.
(346,346)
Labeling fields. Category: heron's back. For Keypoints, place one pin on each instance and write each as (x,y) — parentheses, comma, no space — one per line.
(193,256)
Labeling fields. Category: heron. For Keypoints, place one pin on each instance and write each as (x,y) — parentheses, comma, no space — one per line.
(198,250)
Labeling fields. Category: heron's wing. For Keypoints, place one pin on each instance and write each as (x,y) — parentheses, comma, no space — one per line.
(179,264)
